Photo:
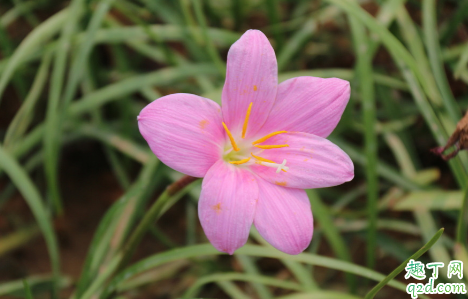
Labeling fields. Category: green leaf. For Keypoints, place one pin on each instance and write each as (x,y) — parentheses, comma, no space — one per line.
(170,33)
(463,220)
(432,200)
(27,290)
(109,224)
(322,215)
(30,193)
(438,252)
(125,87)
(36,283)
(319,295)
(34,40)
(255,278)
(402,266)
(23,117)
(435,58)
(17,239)
(251,268)
(252,250)
(53,113)
(366,86)
(124,145)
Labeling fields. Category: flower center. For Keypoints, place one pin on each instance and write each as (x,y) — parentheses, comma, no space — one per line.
(241,153)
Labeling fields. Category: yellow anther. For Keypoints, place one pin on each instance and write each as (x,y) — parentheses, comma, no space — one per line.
(233,142)
(268,136)
(246,121)
(240,161)
(264,160)
(272,146)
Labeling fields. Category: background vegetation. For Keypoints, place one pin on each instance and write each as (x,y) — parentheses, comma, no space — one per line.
(84,209)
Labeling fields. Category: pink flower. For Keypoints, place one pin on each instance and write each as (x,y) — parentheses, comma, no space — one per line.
(258,151)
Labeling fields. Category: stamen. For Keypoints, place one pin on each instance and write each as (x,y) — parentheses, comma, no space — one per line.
(268,136)
(246,121)
(240,161)
(272,146)
(233,142)
(264,160)
(261,158)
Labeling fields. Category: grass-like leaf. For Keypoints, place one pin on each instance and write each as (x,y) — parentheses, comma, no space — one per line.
(400,268)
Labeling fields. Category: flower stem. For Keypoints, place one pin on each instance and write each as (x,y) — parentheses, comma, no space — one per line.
(153,213)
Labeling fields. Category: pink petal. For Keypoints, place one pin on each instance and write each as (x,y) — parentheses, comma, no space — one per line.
(184,131)
(251,77)
(308,104)
(227,205)
(314,162)
(284,218)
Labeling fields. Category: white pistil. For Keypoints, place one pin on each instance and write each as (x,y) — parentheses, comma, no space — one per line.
(282,166)
(278,167)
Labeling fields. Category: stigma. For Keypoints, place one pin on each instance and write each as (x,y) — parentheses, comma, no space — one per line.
(279,167)
(269,163)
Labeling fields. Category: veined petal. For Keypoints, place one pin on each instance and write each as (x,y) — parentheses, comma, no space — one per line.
(314,162)
(184,131)
(227,205)
(251,77)
(283,217)
(308,104)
